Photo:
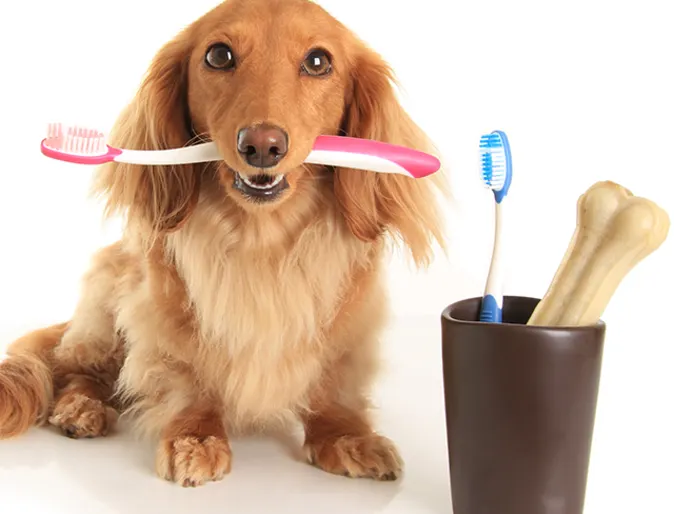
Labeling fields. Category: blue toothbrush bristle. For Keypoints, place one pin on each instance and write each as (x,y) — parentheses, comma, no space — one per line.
(491,141)
(493,161)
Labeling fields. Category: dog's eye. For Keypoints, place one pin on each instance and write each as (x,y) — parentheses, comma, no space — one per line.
(220,57)
(317,63)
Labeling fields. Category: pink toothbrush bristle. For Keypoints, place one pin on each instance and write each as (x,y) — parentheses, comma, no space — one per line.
(54,130)
(75,140)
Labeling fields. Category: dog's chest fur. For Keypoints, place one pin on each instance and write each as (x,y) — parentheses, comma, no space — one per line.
(264,296)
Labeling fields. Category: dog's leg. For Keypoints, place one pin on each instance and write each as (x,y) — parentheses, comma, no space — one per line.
(169,403)
(88,358)
(194,448)
(340,440)
(81,409)
(339,434)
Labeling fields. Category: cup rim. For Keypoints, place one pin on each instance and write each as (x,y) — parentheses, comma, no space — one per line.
(446,315)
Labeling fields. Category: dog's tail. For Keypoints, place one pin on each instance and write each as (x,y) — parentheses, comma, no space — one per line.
(26,380)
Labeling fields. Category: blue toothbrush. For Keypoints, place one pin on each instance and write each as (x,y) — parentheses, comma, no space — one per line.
(496,175)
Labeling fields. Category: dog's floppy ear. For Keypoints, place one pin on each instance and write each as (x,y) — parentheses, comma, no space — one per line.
(374,203)
(160,198)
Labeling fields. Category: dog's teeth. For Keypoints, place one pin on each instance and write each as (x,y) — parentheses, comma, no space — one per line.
(275,183)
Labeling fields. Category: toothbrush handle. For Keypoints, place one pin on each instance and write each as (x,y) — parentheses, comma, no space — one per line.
(205,152)
(492,302)
(327,150)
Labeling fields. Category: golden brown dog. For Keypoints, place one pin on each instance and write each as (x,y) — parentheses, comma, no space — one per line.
(244,293)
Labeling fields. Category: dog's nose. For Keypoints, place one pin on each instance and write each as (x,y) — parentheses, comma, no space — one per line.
(262,146)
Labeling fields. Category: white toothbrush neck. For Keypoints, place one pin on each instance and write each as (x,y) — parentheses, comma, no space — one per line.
(204,152)
(494,285)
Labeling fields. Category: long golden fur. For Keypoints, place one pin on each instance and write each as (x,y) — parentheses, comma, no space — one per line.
(216,314)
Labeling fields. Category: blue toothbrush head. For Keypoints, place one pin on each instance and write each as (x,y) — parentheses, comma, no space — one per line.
(496,163)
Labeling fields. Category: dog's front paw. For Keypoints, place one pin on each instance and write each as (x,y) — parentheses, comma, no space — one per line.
(191,461)
(79,416)
(370,456)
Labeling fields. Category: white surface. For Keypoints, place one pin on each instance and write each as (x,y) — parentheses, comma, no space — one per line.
(585,94)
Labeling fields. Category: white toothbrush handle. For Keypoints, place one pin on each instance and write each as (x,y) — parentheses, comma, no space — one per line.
(328,151)
(495,279)
(204,152)
(493,292)
(209,152)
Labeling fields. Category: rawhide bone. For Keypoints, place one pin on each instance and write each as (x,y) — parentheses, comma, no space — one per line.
(615,230)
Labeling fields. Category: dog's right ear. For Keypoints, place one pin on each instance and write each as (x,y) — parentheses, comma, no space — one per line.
(160,198)
(376,203)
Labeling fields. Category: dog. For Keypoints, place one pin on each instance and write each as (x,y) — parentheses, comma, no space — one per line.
(248,293)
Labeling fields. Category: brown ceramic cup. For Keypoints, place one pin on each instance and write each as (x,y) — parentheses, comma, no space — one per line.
(520,407)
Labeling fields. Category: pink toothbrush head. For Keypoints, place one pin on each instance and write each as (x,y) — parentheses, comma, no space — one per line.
(77,145)
(87,146)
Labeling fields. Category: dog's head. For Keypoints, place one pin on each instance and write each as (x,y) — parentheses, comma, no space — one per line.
(262,79)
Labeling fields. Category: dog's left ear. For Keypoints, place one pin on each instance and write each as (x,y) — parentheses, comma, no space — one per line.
(159,198)
(374,203)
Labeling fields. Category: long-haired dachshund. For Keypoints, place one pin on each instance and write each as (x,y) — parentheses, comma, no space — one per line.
(244,293)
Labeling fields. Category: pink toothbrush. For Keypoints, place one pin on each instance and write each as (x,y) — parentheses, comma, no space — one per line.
(87,146)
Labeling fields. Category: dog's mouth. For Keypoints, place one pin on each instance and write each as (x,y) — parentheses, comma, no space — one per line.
(262,187)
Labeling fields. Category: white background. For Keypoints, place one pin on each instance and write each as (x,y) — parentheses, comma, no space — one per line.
(583,89)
